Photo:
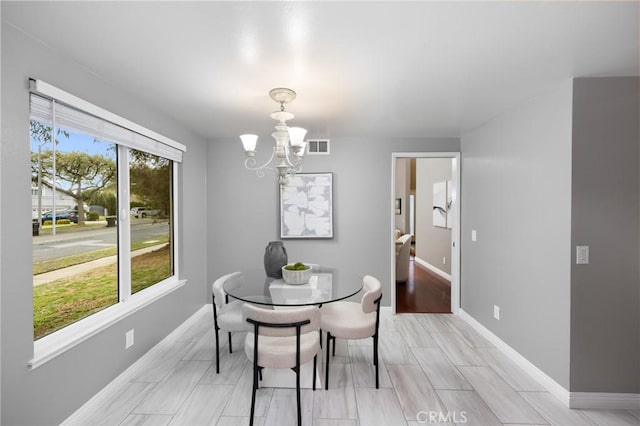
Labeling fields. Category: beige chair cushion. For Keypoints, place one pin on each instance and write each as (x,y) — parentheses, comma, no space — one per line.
(372,292)
(277,345)
(283,316)
(346,320)
(230,317)
(280,352)
(234,278)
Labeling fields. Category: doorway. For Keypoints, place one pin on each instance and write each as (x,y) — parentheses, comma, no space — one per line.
(425,200)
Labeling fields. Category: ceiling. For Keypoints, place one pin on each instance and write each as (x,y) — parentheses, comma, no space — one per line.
(384,69)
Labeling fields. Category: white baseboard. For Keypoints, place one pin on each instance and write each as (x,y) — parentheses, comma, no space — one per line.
(432,268)
(591,400)
(551,385)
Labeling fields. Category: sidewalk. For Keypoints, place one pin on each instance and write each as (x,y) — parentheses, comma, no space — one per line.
(48,277)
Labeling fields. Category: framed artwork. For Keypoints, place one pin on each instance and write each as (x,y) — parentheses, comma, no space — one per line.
(306,206)
(440,204)
(398,205)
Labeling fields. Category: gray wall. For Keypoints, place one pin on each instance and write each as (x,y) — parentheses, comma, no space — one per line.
(1,282)
(516,192)
(51,392)
(432,243)
(605,294)
(1,220)
(243,210)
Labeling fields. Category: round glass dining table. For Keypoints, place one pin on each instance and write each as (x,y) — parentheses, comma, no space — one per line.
(325,285)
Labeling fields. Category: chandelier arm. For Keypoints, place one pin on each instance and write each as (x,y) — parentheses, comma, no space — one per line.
(250,162)
(293,164)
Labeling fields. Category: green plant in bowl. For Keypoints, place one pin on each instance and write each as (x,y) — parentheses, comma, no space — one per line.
(298,266)
(296,273)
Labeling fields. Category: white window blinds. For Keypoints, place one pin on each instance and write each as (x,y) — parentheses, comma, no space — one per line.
(77,115)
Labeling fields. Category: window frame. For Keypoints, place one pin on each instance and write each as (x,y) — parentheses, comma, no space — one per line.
(58,342)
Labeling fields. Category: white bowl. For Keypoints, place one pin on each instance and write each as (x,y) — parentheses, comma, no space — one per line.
(296,277)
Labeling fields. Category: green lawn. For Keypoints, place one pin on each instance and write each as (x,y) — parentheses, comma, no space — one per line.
(65,301)
(76,259)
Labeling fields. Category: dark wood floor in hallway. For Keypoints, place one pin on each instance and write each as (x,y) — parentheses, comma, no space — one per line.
(424,292)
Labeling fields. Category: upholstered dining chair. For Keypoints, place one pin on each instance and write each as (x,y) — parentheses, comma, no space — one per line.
(226,316)
(351,320)
(402,258)
(284,338)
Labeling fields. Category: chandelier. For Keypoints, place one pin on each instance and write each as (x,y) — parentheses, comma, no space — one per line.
(289,148)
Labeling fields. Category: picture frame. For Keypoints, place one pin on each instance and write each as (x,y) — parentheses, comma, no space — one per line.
(306,206)
(398,205)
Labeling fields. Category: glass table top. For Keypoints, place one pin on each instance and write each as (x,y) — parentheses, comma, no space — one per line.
(325,285)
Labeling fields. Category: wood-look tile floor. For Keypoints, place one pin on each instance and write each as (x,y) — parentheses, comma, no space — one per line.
(434,369)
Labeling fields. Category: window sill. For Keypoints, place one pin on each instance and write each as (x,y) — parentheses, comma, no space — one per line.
(64,339)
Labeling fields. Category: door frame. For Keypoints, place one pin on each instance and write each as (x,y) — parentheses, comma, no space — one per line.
(455,229)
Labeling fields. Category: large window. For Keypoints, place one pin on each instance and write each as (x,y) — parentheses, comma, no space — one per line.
(102,211)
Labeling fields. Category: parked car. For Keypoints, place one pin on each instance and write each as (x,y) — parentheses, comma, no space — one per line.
(72,215)
(141,212)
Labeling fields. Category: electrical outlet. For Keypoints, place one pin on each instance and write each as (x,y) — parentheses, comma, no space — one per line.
(128,339)
(474,235)
(444,260)
(496,312)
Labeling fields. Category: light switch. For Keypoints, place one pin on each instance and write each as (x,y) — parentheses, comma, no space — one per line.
(582,255)
(474,235)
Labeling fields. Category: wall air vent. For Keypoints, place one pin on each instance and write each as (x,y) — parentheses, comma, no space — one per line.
(318,146)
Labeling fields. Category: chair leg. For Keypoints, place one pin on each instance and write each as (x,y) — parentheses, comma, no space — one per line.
(255,373)
(375,361)
(253,394)
(320,331)
(260,372)
(217,353)
(315,362)
(326,369)
(230,345)
(334,347)
(375,358)
(298,394)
